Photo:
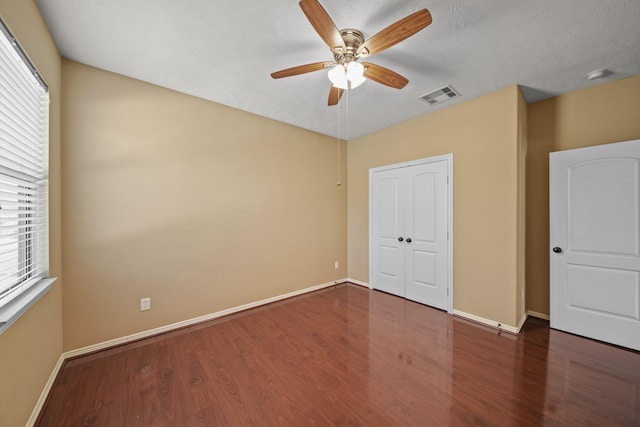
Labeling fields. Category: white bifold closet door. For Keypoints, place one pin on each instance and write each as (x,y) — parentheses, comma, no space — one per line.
(409,232)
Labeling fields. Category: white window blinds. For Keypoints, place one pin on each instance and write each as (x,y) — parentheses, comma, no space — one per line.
(24,109)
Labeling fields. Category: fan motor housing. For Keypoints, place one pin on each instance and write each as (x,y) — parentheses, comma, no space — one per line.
(353,39)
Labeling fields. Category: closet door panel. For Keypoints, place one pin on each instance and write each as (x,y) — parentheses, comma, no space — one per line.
(387,226)
(426,229)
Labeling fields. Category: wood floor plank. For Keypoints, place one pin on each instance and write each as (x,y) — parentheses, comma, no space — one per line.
(347,355)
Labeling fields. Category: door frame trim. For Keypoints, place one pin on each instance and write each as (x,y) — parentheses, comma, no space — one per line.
(449,159)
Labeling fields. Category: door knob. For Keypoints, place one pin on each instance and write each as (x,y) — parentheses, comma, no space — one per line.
(557,250)
(408,239)
(400,239)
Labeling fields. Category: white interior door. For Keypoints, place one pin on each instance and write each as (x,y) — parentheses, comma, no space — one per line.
(595,242)
(387,232)
(410,226)
(426,234)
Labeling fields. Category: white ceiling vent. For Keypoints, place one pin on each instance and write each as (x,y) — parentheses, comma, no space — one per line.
(441,95)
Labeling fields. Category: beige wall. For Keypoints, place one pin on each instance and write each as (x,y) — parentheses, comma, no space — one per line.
(483,136)
(199,206)
(598,115)
(30,348)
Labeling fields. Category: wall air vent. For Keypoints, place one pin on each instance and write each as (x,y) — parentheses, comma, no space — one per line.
(441,95)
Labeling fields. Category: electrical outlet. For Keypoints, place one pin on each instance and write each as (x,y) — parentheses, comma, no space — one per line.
(145,304)
(336,265)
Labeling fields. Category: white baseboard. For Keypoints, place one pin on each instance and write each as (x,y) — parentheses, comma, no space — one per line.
(488,322)
(358,282)
(45,392)
(521,322)
(538,315)
(155,331)
(162,329)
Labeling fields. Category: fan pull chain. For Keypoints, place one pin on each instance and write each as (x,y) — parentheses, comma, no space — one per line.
(339,183)
(346,138)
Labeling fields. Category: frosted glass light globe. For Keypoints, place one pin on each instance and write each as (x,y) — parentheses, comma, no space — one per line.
(355,72)
(338,76)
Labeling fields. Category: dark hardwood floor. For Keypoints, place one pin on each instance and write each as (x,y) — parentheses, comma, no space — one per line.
(350,356)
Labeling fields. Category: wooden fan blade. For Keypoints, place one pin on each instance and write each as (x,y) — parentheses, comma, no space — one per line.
(302,69)
(334,95)
(395,33)
(324,26)
(384,76)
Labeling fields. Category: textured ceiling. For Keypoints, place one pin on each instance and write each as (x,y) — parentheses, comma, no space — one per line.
(225,50)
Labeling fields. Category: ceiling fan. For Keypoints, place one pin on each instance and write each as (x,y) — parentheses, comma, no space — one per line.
(348,46)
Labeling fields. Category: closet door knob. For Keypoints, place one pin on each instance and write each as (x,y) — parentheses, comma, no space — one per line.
(557,250)
(400,239)
(408,239)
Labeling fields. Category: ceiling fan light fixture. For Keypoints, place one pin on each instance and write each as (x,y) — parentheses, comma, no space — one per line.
(347,77)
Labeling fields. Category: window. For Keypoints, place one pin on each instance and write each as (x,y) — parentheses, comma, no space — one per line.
(24,110)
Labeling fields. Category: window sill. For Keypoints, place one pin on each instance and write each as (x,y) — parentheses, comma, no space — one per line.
(16,308)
